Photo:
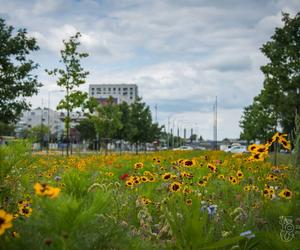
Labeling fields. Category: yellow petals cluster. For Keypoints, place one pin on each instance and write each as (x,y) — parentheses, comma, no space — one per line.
(5,221)
(46,190)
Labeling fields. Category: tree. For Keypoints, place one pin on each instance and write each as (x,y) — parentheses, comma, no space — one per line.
(140,123)
(107,121)
(6,129)
(70,77)
(16,79)
(281,89)
(258,122)
(124,132)
(193,137)
(86,129)
(38,133)
(282,73)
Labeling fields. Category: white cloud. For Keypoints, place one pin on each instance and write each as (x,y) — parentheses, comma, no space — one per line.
(180,53)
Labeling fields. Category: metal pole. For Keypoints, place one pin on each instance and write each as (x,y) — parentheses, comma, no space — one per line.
(42,134)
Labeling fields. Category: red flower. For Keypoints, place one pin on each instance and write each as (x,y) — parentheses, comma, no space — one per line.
(124,176)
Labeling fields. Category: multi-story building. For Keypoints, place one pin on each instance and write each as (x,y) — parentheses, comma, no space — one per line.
(48,117)
(119,92)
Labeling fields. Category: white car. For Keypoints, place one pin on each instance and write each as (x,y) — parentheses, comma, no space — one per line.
(237,149)
(184,148)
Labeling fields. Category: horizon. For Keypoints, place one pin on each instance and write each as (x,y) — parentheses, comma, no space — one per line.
(180,58)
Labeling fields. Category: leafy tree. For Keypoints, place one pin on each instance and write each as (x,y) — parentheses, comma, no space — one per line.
(282,73)
(6,129)
(70,77)
(124,132)
(193,137)
(86,129)
(16,79)
(258,122)
(140,123)
(279,99)
(38,133)
(107,121)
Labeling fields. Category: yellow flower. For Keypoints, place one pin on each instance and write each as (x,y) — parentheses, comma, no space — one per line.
(5,221)
(175,186)
(46,190)
(212,167)
(239,174)
(25,210)
(144,178)
(110,174)
(166,176)
(138,165)
(145,201)
(247,188)
(233,180)
(286,194)
(285,143)
(202,183)
(14,234)
(189,163)
(189,202)
(129,183)
(221,177)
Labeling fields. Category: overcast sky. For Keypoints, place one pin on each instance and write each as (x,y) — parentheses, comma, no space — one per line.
(181,54)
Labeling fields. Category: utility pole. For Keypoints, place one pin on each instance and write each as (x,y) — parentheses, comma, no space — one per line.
(216,124)
(42,117)
(156,113)
(168,145)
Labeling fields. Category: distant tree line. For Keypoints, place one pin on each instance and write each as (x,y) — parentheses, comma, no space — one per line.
(132,123)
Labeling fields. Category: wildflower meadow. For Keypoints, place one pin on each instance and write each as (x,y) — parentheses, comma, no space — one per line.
(160,200)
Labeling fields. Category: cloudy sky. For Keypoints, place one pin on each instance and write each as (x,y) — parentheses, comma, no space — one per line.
(180,53)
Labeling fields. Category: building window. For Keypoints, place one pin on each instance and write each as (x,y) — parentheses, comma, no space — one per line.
(114,89)
(93,89)
(32,113)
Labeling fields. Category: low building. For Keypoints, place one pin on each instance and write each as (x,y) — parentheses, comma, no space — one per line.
(119,92)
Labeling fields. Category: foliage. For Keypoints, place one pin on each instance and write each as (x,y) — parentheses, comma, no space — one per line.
(70,78)
(142,129)
(6,129)
(107,120)
(280,95)
(86,129)
(12,157)
(258,122)
(162,200)
(37,133)
(16,79)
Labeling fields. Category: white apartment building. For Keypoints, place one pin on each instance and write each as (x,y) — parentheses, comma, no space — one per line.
(120,92)
(53,119)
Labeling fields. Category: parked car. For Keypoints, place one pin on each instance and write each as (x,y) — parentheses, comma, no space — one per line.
(237,149)
(184,148)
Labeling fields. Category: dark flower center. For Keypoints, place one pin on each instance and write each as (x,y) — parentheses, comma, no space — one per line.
(2,221)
